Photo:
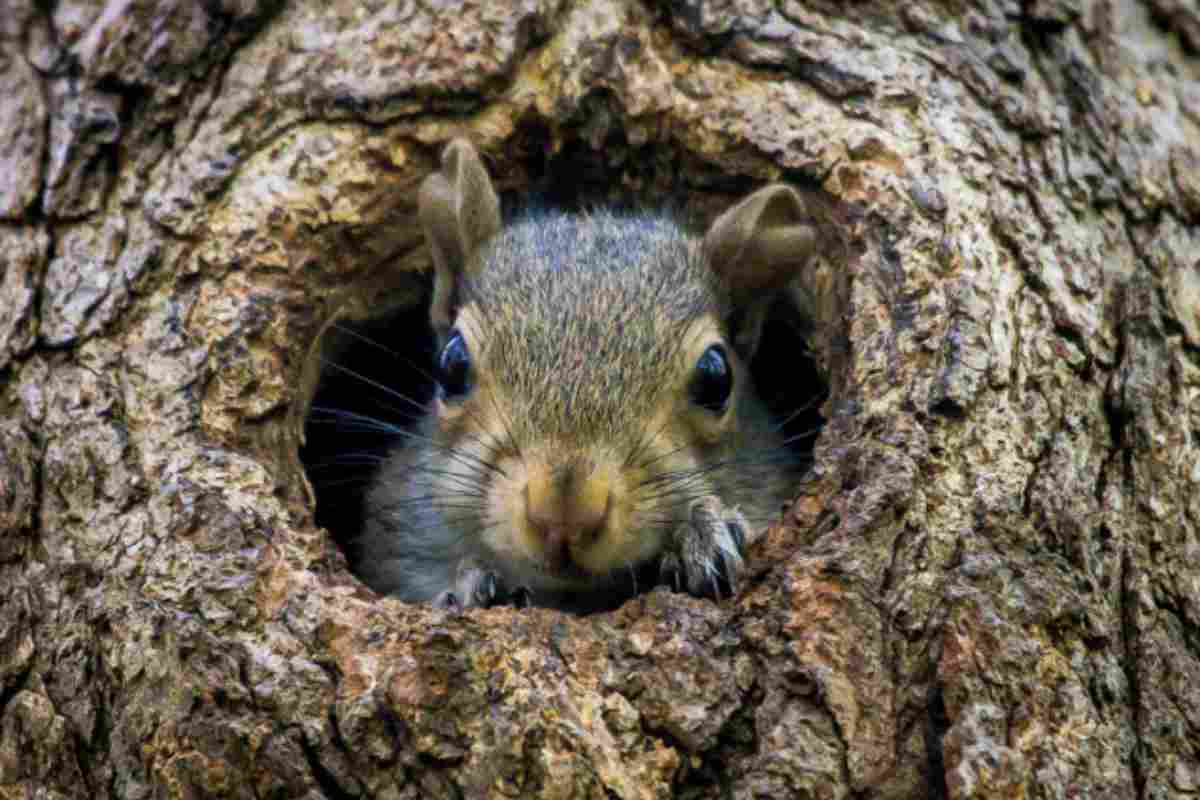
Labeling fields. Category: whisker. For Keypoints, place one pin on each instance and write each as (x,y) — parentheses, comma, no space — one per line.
(802,409)
(387,390)
(355,424)
(396,354)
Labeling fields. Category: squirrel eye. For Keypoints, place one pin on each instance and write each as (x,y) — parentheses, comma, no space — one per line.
(454,367)
(713,381)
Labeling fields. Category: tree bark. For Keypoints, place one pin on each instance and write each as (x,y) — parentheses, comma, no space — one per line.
(989,585)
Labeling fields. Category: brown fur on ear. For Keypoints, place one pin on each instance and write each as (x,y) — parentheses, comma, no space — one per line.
(757,248)
(459,212)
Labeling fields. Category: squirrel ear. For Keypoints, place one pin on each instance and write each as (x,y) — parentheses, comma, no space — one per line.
(459,212)
(756,248)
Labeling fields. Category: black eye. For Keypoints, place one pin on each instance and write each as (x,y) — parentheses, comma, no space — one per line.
(713,381)
(454,367)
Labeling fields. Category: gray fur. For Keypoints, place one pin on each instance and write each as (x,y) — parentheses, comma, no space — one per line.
(582,320)
(612,287)
(581,315)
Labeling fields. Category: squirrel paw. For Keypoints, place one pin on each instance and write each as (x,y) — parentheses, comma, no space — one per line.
(481,588)
(521,597)
(474,588)
(706,555)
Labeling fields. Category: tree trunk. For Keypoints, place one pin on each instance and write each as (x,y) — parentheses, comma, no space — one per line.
(989,585)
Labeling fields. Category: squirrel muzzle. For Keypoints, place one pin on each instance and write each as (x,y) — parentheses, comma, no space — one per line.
(567,509)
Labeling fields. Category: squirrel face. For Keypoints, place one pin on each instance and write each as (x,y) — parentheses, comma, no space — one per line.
(593,390)
(584,387)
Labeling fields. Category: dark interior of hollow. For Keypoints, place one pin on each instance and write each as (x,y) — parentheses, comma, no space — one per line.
(380,372)
(383,367)
(377,376)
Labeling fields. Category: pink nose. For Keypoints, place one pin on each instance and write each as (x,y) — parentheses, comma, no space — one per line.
(566,509)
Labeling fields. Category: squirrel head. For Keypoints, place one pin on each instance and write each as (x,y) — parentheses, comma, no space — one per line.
(593,369)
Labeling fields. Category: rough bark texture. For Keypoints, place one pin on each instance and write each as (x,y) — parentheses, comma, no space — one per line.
(989,587)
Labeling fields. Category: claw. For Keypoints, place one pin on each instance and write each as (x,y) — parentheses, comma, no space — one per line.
(488,587)
(521,597)
(722,578)
(473,587)
(670,572)
(738,531)
(448,601)
(706,556)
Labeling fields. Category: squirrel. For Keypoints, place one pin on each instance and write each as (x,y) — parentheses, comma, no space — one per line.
(594,414)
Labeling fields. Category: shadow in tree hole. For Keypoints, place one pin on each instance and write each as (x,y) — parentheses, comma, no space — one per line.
(378,373)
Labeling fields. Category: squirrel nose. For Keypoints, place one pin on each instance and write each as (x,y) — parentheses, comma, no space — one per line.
(567,507)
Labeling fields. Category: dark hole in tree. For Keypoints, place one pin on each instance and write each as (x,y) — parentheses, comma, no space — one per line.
(788,379)
(378,378)
(375,383)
